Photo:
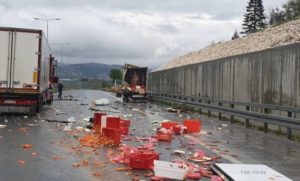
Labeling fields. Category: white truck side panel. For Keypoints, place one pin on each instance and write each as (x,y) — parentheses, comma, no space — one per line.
(25,59)
(45,65)
(4,55)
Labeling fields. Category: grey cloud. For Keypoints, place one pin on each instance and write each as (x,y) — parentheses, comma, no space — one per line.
(167,28)
(140,32)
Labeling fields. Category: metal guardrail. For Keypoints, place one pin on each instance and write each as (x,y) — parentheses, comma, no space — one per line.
(288,122)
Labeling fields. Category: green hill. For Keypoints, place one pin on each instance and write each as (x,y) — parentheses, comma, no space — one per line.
(85,70)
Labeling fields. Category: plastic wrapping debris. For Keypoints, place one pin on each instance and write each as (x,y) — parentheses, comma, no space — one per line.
(68,127)
(224,125)
(170,109)
(87,130)
(179,152)
(79,128)
(71,120)
(101,102)
(87,119)
(2,126)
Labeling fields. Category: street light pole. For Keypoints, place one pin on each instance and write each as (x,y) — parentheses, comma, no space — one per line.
(47,21)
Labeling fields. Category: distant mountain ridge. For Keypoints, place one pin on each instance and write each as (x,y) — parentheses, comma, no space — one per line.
(85,70)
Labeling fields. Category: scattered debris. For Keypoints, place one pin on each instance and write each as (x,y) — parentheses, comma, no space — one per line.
(2,126)
(21,162)
(179,152)
(26,146)
(103,110)
(170,170)
(79,128)
(96,174)
(84,104)
(120,169)
(56,121)
(71,120)
(55,157)
(170,109)
(76,165)
(87,119)
(33,125)
(102,102)
(68,127)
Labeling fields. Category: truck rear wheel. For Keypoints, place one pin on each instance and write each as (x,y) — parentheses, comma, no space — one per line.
(118,94)
(125,99)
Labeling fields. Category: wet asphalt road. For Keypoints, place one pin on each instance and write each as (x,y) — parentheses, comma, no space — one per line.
(234,143)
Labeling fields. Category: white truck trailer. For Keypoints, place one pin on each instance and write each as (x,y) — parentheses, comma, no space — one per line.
(27,70)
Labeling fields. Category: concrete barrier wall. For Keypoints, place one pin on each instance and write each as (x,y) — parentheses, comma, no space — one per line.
(266,77)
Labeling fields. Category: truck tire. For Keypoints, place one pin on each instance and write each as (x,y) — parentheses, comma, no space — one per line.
(118,94)
(125,99)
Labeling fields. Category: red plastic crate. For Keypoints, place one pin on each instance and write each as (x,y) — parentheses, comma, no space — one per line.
(143,160)
(193,126)
(113,122)
(168,125)
(124,130)
(97,121)
(177,129)
(164,136)
(114,134)
(124,123)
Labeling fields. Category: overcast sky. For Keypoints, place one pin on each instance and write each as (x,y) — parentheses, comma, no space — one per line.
(141,32)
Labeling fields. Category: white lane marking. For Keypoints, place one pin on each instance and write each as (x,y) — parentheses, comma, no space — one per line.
(227,157)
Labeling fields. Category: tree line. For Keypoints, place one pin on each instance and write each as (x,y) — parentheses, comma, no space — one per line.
(255,18)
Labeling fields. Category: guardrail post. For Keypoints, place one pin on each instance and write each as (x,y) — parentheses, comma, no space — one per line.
(231,116)
(200,109)
(220,114)
(266,129)
(209,112)
(289,130)
(247,120)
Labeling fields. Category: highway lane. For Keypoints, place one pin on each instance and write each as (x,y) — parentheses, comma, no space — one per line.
(235,143)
